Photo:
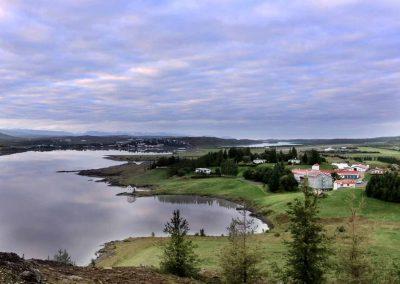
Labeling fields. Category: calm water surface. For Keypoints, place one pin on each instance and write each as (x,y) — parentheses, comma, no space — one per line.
(42,210)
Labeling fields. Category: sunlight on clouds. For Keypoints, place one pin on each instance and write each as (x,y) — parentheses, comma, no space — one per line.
(148,71)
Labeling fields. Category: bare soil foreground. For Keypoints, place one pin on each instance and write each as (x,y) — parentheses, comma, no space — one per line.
(14,269)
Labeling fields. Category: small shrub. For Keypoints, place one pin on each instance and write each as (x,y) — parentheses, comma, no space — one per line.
(341,229)
(63,257)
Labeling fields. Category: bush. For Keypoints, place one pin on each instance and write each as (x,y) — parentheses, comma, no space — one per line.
(63,257)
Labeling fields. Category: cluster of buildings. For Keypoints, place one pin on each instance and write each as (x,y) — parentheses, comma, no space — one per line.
(348,176)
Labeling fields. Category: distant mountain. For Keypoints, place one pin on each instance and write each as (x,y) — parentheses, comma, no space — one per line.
(217,142)
(6,137)
(30,133)
(127,133)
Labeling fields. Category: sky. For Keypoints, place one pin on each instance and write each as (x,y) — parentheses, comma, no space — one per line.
(246,69)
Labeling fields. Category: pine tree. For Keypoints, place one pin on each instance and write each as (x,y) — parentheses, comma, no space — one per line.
(274,181)
(307,259)
(240,261)
(63,257)
(293,153)
(179,257)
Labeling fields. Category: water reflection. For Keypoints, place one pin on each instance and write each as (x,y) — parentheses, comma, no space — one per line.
(188,199)
(42,210)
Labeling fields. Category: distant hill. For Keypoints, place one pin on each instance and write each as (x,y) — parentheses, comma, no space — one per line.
(6,137)
(29,133)
(375,140)
(217,142)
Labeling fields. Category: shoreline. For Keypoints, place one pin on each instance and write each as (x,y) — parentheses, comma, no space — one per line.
(108,175)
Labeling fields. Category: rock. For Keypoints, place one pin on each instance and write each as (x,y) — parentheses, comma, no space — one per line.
(75,278)
(31,276)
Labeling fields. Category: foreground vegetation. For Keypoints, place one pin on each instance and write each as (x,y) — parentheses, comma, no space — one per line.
(378,221)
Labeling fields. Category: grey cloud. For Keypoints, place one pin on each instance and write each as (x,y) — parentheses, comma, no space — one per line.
(238,68)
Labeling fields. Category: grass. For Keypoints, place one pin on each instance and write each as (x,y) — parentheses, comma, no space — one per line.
(154,177)
(382,152)
(228,187)
(148,251)
(380,225)
(380,220)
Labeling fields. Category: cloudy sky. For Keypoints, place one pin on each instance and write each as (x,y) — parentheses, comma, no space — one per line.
(258,69)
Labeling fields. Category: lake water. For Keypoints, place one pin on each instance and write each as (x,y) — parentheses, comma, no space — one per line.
(263,145)
(42,210)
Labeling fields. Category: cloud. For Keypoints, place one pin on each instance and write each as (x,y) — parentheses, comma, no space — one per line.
(237,68)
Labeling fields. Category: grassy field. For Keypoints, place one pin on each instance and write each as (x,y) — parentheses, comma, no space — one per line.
(380,221)
(380,224)
(373,152)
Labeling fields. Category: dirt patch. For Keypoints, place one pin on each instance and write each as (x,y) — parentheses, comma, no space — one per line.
(14,269)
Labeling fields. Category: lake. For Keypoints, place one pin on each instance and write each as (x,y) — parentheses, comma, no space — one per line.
(263,145)
(42,210)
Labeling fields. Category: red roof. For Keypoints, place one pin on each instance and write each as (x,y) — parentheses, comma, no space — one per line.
(347,172)
(310,172)
(346,181)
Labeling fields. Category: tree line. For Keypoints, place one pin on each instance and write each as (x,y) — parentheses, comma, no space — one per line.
(227,161)
(277,178)
(385,187)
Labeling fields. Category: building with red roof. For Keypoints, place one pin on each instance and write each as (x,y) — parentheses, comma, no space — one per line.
(344,183)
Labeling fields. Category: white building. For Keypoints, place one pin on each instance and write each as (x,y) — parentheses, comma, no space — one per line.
(294,161)
(259,161)
(316,179)
(344,183)
(315,167)
(360,167)
(377,171)
(330,149)
(203,171)
(341,166)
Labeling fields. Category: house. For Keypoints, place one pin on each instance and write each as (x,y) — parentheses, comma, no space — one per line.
(349,174)
(330,149)
(344,183)
(360,167)
(294,161)
(316,179)
(315,167)
(259,161)
(341,166)
(376,171)
(203,171)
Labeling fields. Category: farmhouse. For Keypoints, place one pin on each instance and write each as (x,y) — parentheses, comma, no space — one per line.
(315,167)
(349,174)
(360,167)
(259,161)
(344,183)
(316,179)
(294,161)
(203,171)
(376,171)
(341,166)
